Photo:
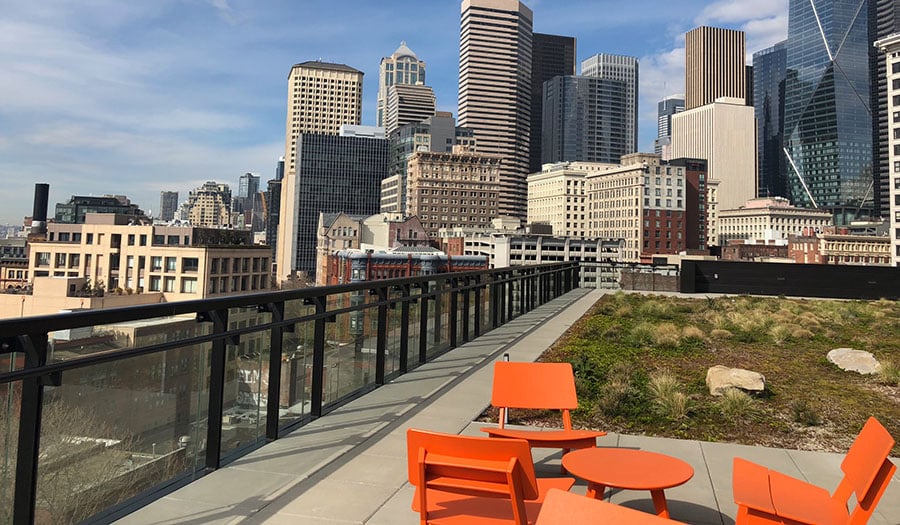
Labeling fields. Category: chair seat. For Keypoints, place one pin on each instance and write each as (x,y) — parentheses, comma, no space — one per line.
(798,500)
(449,508)
(751,486)
(572,439)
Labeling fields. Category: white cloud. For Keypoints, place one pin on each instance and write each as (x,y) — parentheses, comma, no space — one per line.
(740,11)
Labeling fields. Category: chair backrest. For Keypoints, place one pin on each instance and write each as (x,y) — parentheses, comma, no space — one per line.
(567,508)
(534,385)
(867,469)
(480,466)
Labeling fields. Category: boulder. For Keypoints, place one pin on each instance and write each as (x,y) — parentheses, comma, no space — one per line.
(720,378)
(851,360)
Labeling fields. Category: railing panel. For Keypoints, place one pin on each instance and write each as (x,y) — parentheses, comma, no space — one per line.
(10,399)
(115,429)
(296,373)
(393,339)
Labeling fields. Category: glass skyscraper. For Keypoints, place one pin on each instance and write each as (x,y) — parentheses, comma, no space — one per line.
(827,120)
(769,67)
(585,119)
(551,56)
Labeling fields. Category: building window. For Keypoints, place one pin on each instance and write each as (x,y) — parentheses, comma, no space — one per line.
(188,285)
(130,239)
(172,239)
(169,284)
(155,282)
(155,263)
(142,240)
(171,264)
(43,259)
(214,266)
(190,264)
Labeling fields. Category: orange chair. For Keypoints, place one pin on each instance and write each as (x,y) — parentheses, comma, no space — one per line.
(567,508)
(768,496)
(544,386)
(475,480)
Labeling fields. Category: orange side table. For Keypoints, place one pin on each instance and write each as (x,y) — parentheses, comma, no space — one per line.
(628,469)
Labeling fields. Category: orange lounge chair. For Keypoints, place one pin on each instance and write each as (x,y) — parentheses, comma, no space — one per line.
(567,508)
(475,480)
(768,496)
(543,386)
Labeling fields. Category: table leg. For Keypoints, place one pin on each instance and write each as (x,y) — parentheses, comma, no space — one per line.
(595,490)
(659,503)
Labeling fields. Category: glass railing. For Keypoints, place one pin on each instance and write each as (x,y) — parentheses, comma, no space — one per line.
(103,411)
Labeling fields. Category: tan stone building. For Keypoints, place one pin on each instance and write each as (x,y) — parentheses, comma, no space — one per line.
(321,97)
(890,46)
(209,206)
(453,189)
(181,262)
(769,218)
(403,67)
(839,248)
(558,196)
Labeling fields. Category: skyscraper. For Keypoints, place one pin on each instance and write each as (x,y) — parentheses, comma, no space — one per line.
(168,203)
(273,207)
(248,185)
(321,98)
(665,109)
(495,89)
(551,56)
(585,119)
(407,104)
(770,68)
(624,69)
(714,65)
(884,20)
(403,67)
(827,121)
(334,174)
(889,47)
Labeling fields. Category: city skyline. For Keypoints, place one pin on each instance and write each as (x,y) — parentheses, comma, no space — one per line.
(138,99)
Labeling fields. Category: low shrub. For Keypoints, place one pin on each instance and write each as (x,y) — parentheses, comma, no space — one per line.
(804,414)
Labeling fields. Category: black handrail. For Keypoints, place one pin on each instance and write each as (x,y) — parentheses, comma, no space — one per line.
(510,292)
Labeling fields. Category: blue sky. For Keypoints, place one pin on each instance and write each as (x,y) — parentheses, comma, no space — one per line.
(106,96)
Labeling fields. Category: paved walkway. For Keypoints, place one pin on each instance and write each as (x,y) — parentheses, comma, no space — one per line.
(349,467)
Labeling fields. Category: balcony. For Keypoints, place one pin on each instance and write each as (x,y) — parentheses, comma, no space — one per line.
(292,406)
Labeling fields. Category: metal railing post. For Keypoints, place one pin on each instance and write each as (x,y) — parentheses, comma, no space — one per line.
(454,307)
(317,386)
(478,306)
(276,353)
(404,329)
(30,415)
(381,336)
(423,323)
(216,404)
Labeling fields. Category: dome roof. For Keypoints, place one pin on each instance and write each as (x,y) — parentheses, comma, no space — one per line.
(403,50)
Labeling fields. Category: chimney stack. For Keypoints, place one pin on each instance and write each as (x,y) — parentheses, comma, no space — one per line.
(39,214)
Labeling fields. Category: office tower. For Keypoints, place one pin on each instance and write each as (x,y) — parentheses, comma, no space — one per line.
(665,109)
(403,67)
(770,70)
(827,122)
(248,185)
(321,98)
(273,207)
(884,20)
(210,205)
(168,203)
(78,206)
(474,182)
(438,132)
(551,56)
(623,69)
(495,89)
(714,65)
(406,105)
(585,119)
(723,133)
(890,49)
(334,174)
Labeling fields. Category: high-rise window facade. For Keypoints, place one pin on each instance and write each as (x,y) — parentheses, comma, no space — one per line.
(495,89)
(334,174)
(623,69)
(585,119)
(769,69)
(827,120)
(551,56)
(890,49)
(884,21)
(665,110)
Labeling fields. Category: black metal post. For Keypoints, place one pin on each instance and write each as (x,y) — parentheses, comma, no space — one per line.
(423,324)
(216,403)
(275,355)
(30,415)
(404,329)
(381,336)
(466,309)
(478,306)
(317,386)
(453,317)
